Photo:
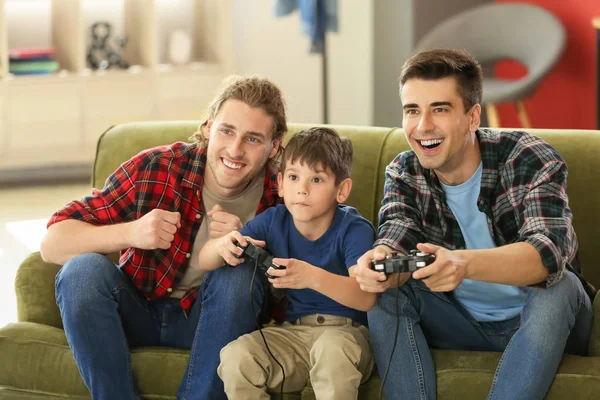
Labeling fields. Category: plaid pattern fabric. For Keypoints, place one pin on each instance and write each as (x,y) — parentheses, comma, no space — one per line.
(522,194)
(169,178)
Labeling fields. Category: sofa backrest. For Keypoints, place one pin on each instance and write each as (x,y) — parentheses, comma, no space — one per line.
(121,142)
(374,148)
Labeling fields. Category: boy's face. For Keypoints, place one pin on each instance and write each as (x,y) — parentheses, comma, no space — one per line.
(239,146)
(311,195)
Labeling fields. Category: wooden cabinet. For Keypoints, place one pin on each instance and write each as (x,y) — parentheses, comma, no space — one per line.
(55,120)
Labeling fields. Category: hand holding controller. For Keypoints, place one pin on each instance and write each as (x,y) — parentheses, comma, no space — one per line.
(395,263)
(256,255)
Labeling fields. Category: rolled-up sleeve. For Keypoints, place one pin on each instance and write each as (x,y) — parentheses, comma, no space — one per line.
(399,218)
(113,204)
(548,220)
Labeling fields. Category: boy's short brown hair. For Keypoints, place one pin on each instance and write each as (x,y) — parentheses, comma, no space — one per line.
(322,147)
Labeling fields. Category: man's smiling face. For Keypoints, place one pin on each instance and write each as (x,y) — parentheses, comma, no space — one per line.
(239,147)
(436,125)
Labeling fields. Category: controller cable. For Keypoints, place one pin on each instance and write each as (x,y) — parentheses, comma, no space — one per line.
(387,369)
(258,325)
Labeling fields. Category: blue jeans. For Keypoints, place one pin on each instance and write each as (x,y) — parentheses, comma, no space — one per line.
(104,315)
(553,321)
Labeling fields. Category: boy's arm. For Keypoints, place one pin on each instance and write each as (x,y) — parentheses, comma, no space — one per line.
(220,251)
(344,289)
(299,274)
(209,258)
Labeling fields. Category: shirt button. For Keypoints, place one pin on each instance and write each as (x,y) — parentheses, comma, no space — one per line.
(198,216)
(169,290)
(198,193)
(320,319)
(188,255)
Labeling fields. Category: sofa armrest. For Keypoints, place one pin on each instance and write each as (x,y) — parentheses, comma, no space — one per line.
(594,346)
(34,286)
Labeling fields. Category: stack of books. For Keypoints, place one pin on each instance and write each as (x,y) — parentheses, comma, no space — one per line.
(31,61)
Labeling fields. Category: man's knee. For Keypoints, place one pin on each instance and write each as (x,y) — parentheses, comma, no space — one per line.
(559,303)
(240,274)
(83,273)
(233,284)
(568,290)
(389,304)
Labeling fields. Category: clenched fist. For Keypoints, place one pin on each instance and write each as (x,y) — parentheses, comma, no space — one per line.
(222,222)
(155,230)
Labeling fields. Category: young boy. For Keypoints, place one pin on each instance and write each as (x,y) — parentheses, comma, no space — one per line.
(319,241)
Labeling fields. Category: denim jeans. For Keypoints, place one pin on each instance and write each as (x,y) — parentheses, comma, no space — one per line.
(104,315)
(553,321)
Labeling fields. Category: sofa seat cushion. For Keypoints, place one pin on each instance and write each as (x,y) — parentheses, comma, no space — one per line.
(17,394)
(39,362)
(469,374)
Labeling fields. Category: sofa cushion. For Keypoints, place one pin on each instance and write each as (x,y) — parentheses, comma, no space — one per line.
(34,286)
(17,394)
(40,361)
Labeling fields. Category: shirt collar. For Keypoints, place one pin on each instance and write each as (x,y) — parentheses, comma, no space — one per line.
(487,140)
(193,176)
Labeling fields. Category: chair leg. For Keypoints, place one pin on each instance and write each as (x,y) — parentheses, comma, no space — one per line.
(522,113)
(492,115)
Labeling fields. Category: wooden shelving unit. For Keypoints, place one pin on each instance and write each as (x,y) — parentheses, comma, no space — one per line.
(55,120)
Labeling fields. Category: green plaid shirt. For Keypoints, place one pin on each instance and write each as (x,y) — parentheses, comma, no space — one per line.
(522,194)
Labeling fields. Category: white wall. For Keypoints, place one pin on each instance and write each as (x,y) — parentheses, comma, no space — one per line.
(393,45)
(22,34)
(274,48)
(351,67)
(365,57)
(277,49)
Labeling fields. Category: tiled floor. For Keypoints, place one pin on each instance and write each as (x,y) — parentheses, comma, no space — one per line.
(24,212)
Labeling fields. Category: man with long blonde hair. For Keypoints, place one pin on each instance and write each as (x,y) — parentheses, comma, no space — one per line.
(158,209)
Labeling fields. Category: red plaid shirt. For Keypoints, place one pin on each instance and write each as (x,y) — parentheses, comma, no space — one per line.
(169,178)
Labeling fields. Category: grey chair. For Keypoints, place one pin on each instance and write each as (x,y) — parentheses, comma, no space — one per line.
(494,32)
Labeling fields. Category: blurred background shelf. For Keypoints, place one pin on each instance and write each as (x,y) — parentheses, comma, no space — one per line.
(54,120)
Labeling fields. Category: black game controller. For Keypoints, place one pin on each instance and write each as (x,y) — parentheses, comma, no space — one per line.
(263,259)
(395,263)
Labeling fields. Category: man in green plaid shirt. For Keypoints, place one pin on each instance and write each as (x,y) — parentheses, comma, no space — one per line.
(492,207)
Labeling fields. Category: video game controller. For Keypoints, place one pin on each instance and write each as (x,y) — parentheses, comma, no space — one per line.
(263,259)
(395,263)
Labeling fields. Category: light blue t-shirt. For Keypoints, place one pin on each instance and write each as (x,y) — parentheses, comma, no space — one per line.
(349,236)
(484,301)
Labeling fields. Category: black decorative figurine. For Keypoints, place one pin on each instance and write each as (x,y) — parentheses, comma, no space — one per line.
(102,54)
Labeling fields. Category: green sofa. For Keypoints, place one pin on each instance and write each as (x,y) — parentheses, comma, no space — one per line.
(37,362)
